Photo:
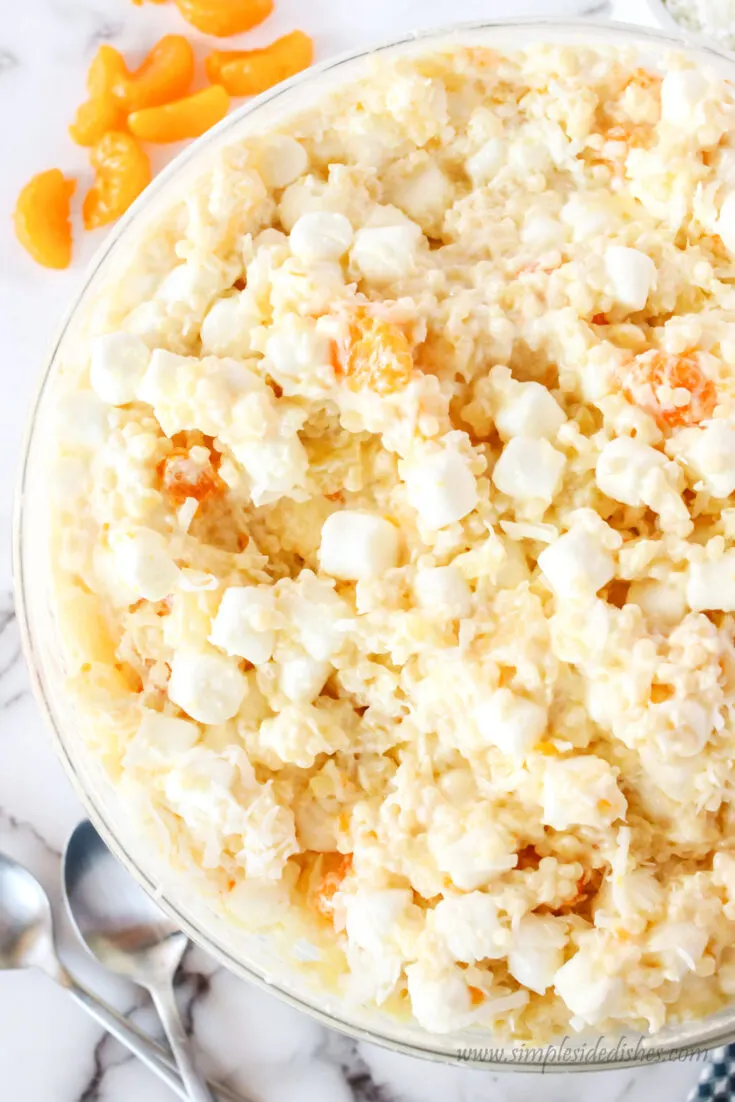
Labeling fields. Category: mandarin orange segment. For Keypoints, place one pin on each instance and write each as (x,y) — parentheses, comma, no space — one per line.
(673,389)
(182,478)
(42,223)
(107,68)
(122,171)
(95,118)
(329,873)
(249,72)
(378,356)
(224,17)
(184,118)
(165,74)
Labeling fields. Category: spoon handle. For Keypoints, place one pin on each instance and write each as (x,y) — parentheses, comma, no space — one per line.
(164,1001)
(135,1040)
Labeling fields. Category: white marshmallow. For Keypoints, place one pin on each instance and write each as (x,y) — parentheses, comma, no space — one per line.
(282,160)
(711,454)
(302,679)
(118,363)
(160,737)
(585,989)
(443,590)
(142,561)
(356,545)
(537,952)
(581,791)
(622,468)
(530,410)
(726,222)
(468,925)
(227,326)
(632,275)
(320,235)
(299,354)
(711,585)
(682,91)
(663,603)
(510,722)
(441,488)
(243,625)
(424,195)
(483,165)
(385,253)
(440,998)
(577,564)
(529,470)
(208,687)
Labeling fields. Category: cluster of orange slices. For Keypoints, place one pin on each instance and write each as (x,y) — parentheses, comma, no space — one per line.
(152,103)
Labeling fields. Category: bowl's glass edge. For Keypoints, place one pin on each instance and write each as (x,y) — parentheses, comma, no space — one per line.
(708,1033)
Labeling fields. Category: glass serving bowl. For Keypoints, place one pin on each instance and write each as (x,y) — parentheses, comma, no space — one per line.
(255,958)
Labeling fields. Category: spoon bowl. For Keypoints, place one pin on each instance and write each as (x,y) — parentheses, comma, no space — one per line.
(116,919)
(26,929)
(127,932)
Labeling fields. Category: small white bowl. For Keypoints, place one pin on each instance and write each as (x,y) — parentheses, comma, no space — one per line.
(662,14)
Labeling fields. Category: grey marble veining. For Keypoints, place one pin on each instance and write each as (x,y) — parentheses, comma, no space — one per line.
(50,1051)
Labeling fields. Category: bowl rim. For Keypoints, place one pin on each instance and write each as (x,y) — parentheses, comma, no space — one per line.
(708,1033)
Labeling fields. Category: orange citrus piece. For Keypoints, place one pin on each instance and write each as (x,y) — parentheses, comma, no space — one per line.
(378,356)
(41,218)
(165,74)
(95,117)
(184,118)
(107,68)
(249,72)
(224,17)
(673,389)
(122,171)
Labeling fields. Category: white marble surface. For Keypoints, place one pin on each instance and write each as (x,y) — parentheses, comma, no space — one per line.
(50,1051)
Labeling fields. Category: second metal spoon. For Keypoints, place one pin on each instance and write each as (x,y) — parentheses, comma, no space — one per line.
(128,933)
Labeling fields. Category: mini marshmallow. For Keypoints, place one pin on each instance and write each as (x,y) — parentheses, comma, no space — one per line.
(537,951)
(622,468)
(357,545)
(529,470)
(682,90)
(282,160)
(483,165)
(711,454)
(632,275)
(529,410)
(243,624)
(302,679)
(443,590)
(586,991)
(468,925)
(441,488)
(577,564)
(320,235)
(142,561)
(208,687)
(510,722)
(298,352)
(711,585)
(118,363)
(385,253)
(581,791)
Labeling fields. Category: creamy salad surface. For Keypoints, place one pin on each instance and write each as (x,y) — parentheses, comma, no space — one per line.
(394,538)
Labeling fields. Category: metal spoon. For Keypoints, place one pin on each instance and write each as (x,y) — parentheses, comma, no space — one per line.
(128,933)
(27,941)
